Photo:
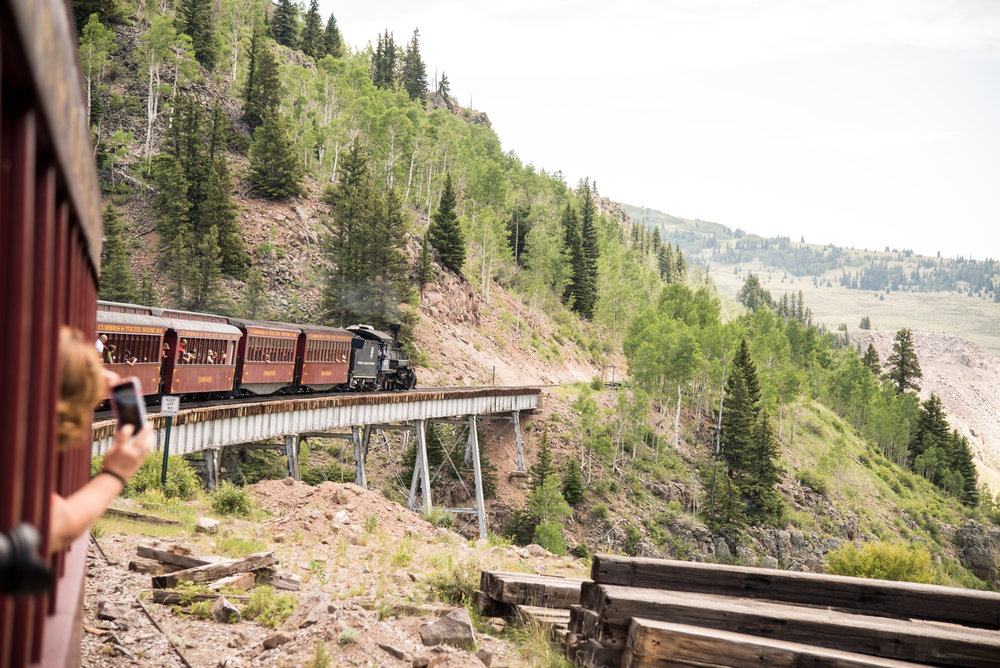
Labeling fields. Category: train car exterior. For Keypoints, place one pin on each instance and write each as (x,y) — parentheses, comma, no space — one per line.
(265,356)
(50,248)
(134,342)
(199,353)
(324,358)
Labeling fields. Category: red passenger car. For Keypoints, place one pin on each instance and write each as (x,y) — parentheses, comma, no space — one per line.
(325,357)
(199,353)
(266,356)
(134,341)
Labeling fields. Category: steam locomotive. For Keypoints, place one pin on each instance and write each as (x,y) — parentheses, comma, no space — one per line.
(186,353)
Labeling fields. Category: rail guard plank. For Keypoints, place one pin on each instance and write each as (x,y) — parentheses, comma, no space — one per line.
(920,641)
(654,643)
(878,597)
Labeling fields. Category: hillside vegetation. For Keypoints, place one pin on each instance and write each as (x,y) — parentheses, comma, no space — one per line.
(255,165)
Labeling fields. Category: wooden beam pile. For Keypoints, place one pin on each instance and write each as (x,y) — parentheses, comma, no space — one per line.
(176,564)
(545,599)
(653,612)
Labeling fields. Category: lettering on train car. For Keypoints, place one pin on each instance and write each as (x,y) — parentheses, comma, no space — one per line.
(326,373)
(268,374)
(128,329)
(206,379)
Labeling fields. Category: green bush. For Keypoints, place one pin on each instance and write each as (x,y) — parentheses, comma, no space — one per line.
(230,499)
(549,536)
(454,583)
(267,608)
(883,561)
(182,480)
(813,480)
(596,384)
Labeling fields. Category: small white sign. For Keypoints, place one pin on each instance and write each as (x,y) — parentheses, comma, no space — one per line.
(170,406)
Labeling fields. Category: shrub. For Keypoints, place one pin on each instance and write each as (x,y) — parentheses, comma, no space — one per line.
(596,384)
(813,480)
(182,480)
(230,499)
(883,561)
(267,608)
(549,536)
(454,584)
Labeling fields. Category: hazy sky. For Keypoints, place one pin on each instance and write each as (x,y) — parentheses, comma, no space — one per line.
(864,123)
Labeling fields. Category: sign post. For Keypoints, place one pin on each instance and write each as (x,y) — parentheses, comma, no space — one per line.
(169,407)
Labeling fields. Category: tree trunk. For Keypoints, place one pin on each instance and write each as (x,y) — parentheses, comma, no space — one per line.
(677,421)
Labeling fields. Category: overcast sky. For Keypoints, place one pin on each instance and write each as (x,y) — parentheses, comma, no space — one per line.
(864,123)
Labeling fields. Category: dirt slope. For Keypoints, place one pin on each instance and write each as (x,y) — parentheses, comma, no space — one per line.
(967,379)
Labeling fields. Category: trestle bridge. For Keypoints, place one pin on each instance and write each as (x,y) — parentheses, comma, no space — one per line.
(212,428)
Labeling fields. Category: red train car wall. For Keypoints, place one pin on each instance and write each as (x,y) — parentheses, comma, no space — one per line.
(50,245)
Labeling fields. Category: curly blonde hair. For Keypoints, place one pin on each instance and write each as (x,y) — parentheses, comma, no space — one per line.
(81,385)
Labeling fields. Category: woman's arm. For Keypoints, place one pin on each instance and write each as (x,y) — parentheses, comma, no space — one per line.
(73,515)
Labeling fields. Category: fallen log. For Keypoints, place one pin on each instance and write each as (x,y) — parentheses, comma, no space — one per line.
(919,641)
(151,566)
(141,517)
(214,571)
(269,576)
(654,643)
(173,558)
(901,600)
(173,597)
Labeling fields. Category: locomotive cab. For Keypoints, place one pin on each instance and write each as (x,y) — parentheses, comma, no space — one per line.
(378,362)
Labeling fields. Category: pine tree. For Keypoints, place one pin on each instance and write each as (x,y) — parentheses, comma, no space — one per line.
(285,24)
(573,294)
(312,32)
(414,74)
(275,169)
(179,269)
(866,323)
(172,203)
(196,21)
(763,472)
(207,293)
(147,291)
(263,90)
(444,87)
(754,296)
(218,212)
(425,264)
(737,424)
(333,45)
(444,231)
(117,282)
(591,253)
(218,140)
(383,64)
(681,266)
(572,489)
(254,299)
(871,361)
(903,368)
(543,468)
(365,247)
(963,462)
(743,363)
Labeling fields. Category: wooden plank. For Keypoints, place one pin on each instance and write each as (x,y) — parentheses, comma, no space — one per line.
(269,576)
(221,569)
(593,654)
(171,597)
(141,517)
(920,641)
(530,589)
(547,616)
(174,558)
(151,566)
(902,600)
(654,643)
(488,606)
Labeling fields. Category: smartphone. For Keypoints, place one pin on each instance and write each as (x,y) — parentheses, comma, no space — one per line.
(127,404)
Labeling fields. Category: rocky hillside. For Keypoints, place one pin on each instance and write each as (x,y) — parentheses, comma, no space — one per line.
(967,379)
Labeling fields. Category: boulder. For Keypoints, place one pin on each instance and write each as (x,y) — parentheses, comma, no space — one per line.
(207,525)
(224,612)
(313,609)
(279,638)
(535,550)
(453,629)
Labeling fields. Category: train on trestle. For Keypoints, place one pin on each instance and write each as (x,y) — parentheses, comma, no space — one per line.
(176,352)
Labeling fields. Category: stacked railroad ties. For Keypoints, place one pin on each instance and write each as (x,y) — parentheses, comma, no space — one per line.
(654,612)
